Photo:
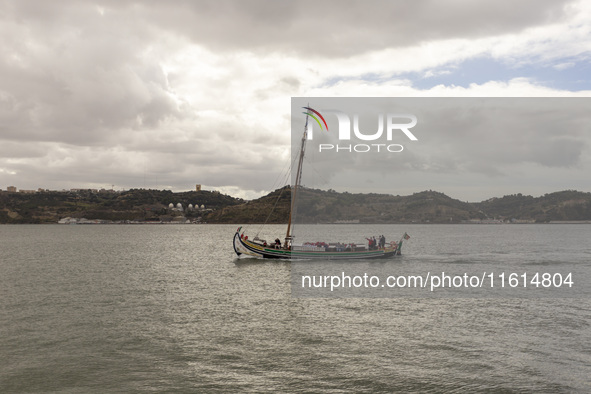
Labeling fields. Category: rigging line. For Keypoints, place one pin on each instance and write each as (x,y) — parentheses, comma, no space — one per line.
(286,174)
(311,165)
(281,175)
(272,209)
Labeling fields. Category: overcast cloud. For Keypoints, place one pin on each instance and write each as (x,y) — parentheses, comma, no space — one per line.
(485,146)
(169,94)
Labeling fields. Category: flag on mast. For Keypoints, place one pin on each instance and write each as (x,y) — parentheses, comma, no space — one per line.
(406,236)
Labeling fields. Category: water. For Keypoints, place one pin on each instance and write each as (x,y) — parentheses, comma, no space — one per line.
(170,308)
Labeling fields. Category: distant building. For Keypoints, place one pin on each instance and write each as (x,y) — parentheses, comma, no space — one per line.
(27,191)
(11,189)
(198,188)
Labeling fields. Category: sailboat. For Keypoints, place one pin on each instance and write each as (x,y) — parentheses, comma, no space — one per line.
(311,250)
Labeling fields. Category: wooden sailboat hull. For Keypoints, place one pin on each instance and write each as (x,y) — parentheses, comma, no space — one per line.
(249,248)
(243,246)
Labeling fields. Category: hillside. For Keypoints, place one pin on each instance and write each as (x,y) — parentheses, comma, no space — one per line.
(424,207)
(314,206)
(558,206)
(134,204)
(319,206)
(272,208)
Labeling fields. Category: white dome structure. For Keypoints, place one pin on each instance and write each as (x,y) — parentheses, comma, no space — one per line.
(190,207)
(202,206)
(170,206)
(179,206)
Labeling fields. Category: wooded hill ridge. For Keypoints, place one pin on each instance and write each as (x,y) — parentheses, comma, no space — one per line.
(314,206)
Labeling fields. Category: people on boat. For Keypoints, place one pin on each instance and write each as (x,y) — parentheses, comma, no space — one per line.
(277,243)
(318,244)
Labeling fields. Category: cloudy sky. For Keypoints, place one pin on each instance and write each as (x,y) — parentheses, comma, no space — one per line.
(169,94)
(470,147)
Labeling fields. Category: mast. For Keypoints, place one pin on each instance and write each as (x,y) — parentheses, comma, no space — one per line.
(298,180)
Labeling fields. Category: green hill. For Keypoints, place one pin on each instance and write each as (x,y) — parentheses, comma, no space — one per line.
(272,208)
(134,204)
(424,207)
(314,206)
(320,206)
(564,205)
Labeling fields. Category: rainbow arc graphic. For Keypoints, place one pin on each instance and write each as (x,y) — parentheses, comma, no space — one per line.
(307,113)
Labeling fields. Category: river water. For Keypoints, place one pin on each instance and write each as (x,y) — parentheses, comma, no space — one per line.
(170,308)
